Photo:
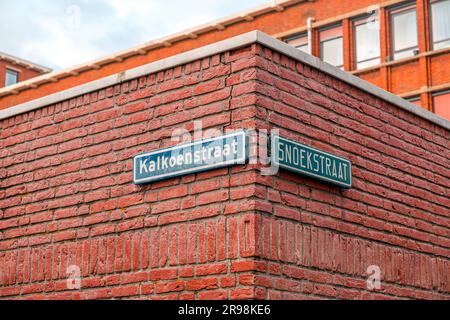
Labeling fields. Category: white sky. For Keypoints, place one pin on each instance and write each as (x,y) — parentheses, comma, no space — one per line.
(63,33)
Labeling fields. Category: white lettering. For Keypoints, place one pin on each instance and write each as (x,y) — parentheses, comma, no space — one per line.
(143,166)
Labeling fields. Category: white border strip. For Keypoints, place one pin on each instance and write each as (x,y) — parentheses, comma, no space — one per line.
(216,48)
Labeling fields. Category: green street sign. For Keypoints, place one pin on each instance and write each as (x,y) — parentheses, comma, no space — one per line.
(198,156)
(297,157)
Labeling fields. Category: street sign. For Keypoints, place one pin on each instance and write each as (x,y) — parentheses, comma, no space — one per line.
(227,150)
(300,158)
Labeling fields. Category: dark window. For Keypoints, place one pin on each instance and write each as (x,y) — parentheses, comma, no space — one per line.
(440,23)
(441,102)
(12,77)
(331,46)
(300,42)
(404,32)
(367,43)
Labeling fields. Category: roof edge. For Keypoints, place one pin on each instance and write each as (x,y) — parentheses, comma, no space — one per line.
(216,48)
(21,61)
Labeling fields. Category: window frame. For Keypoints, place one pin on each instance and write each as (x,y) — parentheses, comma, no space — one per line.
(329,27)
(357,21)
(17,72)
(431,29)
(392,12)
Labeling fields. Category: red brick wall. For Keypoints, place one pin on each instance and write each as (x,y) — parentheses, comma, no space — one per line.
(438,66)
(398,72)
(372,77)
(67,198)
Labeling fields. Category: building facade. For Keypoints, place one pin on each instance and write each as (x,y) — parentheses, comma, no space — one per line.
(400,46)
(74,225)
(14,70)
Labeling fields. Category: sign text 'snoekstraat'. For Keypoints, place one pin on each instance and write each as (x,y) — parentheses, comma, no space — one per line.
(297,157)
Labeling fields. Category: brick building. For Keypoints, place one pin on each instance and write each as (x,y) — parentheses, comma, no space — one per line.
(14,70)
(402,38)
(68,201)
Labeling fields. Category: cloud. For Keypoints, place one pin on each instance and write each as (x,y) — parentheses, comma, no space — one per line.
(129,8)
(64,33)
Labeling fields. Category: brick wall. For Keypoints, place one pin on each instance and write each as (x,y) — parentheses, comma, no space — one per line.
(399,86)
(438,65)
(67,198)
(318,240)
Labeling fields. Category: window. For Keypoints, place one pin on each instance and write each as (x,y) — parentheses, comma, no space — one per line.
(404,32)
(12,77)
(367,43)
(441,102)
(440,23)
(415,100)
(331,46)
(300,42)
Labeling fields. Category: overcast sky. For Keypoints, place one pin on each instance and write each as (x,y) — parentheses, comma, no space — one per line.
(64,33)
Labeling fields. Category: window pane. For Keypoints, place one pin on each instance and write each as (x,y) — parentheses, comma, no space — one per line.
(12,77)
(440,17)
(442,105)
(368,63)
(403,54)
(330,33)
(303,48)
(441,45)
(331,46)
(300,43)
(404,28)
(367,36)
(332,52)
